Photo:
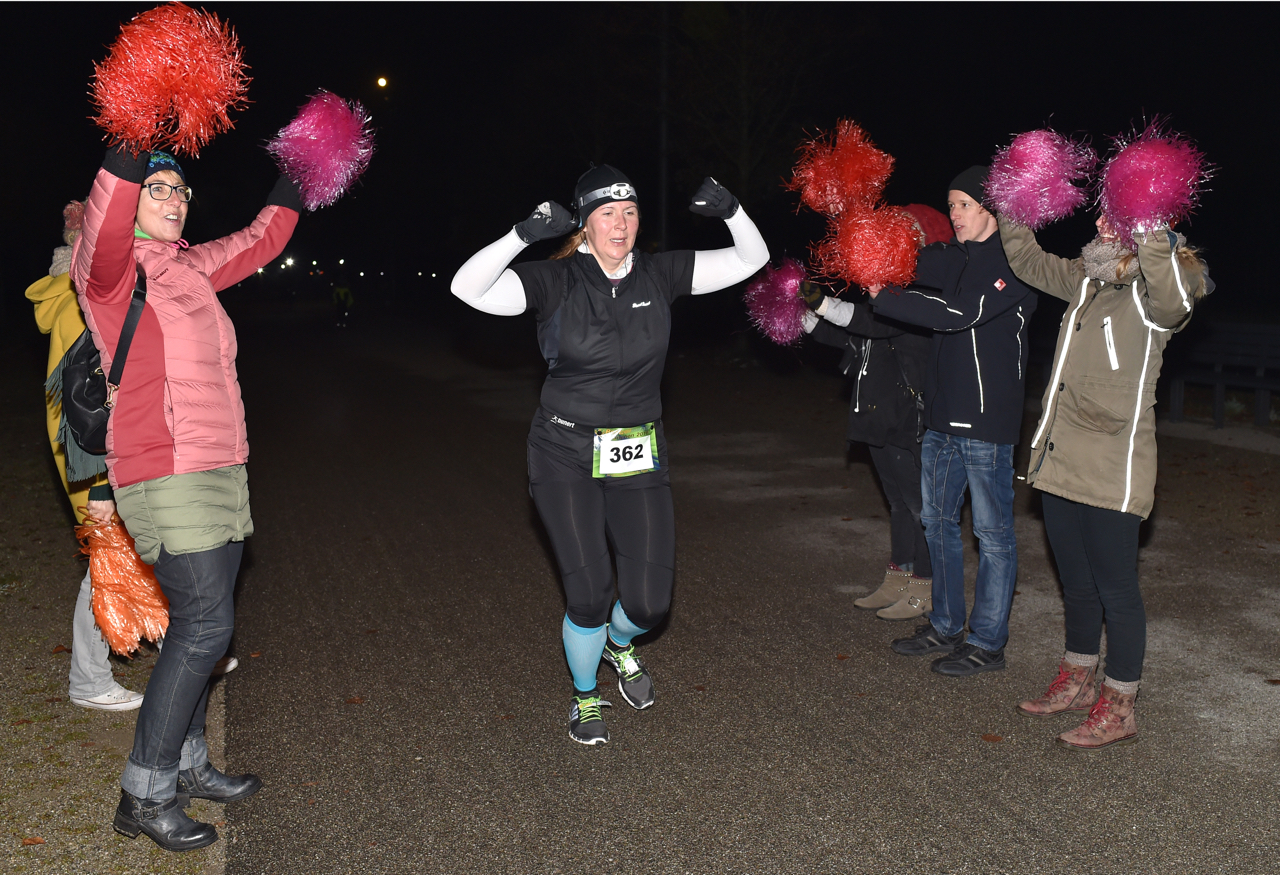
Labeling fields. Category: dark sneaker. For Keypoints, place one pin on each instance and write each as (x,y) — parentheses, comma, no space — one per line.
(927,640)
(586,723)
(633,678)
(969,659)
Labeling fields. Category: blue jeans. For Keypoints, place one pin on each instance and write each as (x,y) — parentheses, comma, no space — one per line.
(170,731)
(950,464)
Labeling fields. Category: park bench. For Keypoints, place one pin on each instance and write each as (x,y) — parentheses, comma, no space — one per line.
(1222,354)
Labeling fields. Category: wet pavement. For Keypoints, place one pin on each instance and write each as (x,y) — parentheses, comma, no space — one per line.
(403,693)
(406,696)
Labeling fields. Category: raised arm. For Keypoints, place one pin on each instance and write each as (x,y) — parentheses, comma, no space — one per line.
(102,266)
(1060,277)
(228,260)
(1172,288)
(486,283)
(720,268)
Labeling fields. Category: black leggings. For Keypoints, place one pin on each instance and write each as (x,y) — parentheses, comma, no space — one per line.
(1097,555)
(899,471)
(584,516)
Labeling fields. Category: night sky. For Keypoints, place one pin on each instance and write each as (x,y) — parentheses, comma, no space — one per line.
(492,108)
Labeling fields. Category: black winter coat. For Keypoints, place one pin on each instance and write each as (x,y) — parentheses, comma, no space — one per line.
(886,361)
(975,383)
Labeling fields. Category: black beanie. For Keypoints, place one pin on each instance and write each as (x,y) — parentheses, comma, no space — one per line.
(600,185)
(972,182)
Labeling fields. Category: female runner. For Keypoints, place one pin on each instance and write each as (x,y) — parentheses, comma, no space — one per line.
(597,454)
(1094,453)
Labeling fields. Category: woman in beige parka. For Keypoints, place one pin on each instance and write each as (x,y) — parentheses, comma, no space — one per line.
(1093,455)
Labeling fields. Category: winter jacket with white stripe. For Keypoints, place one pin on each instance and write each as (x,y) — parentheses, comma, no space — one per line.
(1096,441)
(975,383)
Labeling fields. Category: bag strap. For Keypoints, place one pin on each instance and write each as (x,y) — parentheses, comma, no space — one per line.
(916,395)
(130,325)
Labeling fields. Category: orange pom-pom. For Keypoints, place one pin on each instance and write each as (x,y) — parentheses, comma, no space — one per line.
(840,171)
(170,80)
(127,601)
(867,247)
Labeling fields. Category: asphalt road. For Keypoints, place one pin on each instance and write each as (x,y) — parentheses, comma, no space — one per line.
(403,693)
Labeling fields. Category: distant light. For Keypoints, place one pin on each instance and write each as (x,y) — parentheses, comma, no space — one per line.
(419,273)
(382,82)
(313,264)
(259,270)
(289,261)
(361,273)
(342,261)
(380,273)
(433,275)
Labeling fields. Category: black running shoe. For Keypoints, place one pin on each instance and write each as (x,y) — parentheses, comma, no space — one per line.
(969,659)
(586,723)
(633,678)
(927,640)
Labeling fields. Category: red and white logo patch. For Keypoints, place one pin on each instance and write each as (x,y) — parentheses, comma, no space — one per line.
(999,284)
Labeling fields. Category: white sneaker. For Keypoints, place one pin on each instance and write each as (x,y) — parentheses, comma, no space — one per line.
(118,699)
(225,665)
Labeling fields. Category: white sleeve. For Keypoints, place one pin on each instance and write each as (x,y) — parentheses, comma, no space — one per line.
(716,269)
(485,283)
(811,321)
(836,311)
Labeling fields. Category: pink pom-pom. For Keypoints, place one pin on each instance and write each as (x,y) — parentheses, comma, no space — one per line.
(325,148)
(1032,179)
(170,80)
(774,302)
(868,247)
(840,171)
(1150,181)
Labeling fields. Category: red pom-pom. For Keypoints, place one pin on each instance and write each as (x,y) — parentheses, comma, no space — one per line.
(1150,181)
(170,80)
(774,302)
(868,247)
(840,171)
(325,148)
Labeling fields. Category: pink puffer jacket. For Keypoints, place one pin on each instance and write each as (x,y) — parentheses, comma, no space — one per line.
(178,409)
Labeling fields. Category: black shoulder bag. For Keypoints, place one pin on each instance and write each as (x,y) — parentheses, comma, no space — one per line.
(87,394)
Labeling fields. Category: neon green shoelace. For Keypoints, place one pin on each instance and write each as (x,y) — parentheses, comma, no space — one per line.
(589,709)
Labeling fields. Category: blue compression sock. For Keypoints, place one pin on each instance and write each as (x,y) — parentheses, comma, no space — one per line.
(621,629)
(582,648)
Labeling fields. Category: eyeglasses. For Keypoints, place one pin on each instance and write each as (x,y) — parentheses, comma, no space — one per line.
(162,191)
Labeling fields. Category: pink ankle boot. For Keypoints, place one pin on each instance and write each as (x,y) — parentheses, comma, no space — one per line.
(1109,722)
(1074,689)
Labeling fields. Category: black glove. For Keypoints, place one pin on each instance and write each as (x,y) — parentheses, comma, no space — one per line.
(548,220)
(812,293)
(713,200)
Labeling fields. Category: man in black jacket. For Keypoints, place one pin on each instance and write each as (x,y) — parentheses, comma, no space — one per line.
(974,390)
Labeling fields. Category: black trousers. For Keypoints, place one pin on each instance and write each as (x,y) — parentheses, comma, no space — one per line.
(899,472)
(1096,551)
(584,516)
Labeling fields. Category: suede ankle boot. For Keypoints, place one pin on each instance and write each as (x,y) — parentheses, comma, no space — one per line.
(891,591)
(916,601)
(165,823)
(1110,722)
(1074,689)
(206,782)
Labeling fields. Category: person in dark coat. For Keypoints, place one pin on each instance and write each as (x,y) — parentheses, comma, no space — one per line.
(886,362)
(975,386)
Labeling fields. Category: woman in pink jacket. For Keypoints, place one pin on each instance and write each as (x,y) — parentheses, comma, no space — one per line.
(176,452)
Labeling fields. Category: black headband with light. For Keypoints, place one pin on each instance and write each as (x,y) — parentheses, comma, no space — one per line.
(619,191)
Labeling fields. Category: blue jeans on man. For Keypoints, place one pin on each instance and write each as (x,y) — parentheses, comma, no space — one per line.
(950,464)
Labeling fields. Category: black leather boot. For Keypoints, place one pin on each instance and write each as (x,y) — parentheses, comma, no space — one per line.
(206,782)
(165,823)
